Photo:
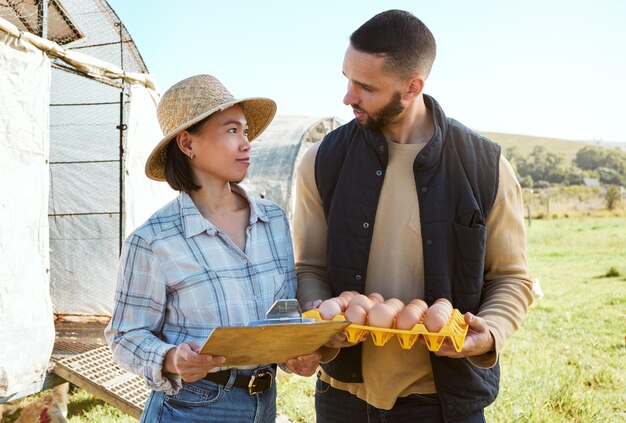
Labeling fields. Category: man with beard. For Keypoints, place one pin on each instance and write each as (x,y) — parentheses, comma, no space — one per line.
(408,203)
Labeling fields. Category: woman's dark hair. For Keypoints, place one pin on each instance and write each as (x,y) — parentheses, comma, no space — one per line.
(403,40)
(178,173)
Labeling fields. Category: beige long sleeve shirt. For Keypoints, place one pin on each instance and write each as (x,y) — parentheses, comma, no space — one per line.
(395,269)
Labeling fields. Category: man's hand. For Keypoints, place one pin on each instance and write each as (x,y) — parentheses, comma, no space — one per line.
(311,305)
(305,365)
(340,341)
(191,366)
(478,340)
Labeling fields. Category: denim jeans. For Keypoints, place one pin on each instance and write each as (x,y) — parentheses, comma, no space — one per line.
(337,406)
(205,401)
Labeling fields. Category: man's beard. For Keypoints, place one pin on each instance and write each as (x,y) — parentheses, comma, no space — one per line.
(384,116)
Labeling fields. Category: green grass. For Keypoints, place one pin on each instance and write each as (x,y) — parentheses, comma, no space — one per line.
(82,407)
(568,361)
(296,397)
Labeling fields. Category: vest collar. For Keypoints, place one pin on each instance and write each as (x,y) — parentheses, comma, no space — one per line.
(430,154)
(376,140)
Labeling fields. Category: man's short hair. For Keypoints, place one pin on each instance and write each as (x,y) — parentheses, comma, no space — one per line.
(403,40)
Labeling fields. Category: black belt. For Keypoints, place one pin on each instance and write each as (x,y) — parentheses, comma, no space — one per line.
(259,381)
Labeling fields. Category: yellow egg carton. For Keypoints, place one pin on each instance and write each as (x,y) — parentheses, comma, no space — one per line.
(455,329)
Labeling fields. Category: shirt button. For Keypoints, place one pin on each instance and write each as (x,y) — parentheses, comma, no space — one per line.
(429,242)
(244,261)
(254,297)
(379,173)
(424,188)
(366,225)
(358,277)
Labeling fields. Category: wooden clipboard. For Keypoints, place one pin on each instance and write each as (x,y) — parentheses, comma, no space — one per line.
(271,343)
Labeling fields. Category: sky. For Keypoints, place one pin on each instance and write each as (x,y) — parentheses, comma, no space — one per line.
(550,68)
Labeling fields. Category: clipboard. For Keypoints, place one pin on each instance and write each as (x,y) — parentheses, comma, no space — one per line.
(282,336)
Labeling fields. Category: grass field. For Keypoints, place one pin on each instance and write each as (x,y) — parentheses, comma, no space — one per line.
(566,364)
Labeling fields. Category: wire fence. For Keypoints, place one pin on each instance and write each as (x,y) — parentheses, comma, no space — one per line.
(87,121)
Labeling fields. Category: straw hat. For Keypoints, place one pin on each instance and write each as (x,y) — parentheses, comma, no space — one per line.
(192,100)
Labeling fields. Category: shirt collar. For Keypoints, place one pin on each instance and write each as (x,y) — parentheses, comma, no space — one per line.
(194,223)
(256,212)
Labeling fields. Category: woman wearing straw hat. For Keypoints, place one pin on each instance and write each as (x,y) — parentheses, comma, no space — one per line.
(212,257)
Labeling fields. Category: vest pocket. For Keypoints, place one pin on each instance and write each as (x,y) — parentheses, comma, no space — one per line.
(469,258)
(470,242)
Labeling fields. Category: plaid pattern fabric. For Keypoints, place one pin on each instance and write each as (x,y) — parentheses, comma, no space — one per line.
(180,276)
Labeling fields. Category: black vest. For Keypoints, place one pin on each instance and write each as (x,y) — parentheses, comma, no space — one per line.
(456,176)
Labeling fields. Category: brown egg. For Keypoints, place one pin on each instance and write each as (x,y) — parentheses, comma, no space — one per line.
(408,317)
(376,297)
(348,295)
(362,301)
(355,314)
(395,303)
(342,301)
(329,309)
(381,315)
(444,301)
(437,316)
(420,303)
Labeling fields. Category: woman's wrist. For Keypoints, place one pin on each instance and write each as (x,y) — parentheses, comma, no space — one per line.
(169,363)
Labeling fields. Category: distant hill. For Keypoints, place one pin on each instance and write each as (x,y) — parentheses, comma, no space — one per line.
(526,143)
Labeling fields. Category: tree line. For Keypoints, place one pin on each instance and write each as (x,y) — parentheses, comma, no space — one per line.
(542,168)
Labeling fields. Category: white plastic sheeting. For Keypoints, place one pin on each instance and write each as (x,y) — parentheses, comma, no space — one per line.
(276,153)
(143,196)
(60,180)
(26,321)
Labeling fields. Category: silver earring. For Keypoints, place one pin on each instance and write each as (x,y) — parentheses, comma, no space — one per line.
(191,155)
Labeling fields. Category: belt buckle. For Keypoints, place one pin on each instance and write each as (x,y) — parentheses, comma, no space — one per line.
(259,375)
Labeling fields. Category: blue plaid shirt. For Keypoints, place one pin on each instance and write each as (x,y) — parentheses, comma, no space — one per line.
(180,276)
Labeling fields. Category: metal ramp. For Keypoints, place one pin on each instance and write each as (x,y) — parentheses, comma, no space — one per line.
(97,373)
(81,357)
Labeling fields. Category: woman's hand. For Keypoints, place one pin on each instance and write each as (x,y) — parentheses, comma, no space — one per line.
(186,362)
(305,365)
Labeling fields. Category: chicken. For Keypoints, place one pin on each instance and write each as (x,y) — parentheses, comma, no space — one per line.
(51,408)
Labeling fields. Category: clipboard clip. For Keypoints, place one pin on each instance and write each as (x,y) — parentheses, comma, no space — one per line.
(283,311)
